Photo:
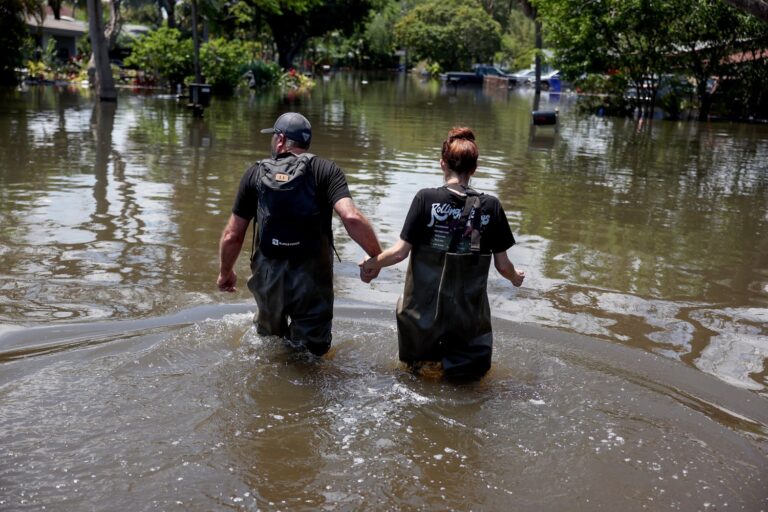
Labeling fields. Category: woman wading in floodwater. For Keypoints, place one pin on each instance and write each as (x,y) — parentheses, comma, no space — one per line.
(450,233)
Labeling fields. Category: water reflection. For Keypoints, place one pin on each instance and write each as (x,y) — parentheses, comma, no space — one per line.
(648,234)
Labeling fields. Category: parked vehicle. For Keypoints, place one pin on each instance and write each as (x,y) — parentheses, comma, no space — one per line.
(480,71)
(521,77)
(549,80)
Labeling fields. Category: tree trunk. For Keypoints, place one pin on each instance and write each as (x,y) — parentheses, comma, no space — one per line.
(114,24)
(56,8)
(170,11)
(539,48)
(104,85)
(705,100)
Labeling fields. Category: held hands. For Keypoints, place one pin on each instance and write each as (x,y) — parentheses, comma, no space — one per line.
(367,274)
(227,281)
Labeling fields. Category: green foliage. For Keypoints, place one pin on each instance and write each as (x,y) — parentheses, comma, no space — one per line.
(261,73)
(50,56)
(518,44)
(434,69)
(297,21)
(223,62)
(377,36)
(453,33)
(164,53)
(643,39)
(142,13)
(605,94)
(674,95)
(13,37)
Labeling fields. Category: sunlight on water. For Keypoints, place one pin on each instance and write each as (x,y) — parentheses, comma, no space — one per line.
(213,415)
(128,381)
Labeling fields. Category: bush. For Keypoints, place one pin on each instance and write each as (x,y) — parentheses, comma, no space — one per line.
(262,74)
(164,53)
(293,80)
(224,62)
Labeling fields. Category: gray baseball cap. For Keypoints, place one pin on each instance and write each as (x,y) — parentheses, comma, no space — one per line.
(294,126)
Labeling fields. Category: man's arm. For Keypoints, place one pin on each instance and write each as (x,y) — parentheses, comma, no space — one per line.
(361,231)
(229,249)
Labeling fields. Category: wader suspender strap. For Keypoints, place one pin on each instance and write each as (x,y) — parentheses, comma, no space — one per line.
(470,216)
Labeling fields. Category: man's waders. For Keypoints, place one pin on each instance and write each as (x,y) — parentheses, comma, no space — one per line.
(301,290)
(444,313)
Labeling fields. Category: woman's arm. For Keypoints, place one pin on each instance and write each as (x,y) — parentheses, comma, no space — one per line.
(391,256)
(507,269)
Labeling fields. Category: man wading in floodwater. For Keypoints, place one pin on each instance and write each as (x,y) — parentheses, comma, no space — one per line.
(293,195)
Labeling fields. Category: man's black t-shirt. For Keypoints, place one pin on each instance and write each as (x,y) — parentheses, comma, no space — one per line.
(330,185)
(434,220)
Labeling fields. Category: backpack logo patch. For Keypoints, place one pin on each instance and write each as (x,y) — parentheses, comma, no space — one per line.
(282,177)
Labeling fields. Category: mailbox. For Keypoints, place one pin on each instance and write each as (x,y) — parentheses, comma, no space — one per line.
(544,118)
(200,94)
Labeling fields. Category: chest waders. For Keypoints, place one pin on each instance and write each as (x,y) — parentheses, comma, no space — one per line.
(444,314)
(292,281)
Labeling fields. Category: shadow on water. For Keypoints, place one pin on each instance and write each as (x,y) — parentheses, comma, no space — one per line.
(195,410)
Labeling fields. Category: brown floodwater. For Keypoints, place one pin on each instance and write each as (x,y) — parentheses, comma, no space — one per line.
(630,370)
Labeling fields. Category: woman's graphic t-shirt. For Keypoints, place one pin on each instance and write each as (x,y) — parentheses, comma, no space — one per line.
(434,219)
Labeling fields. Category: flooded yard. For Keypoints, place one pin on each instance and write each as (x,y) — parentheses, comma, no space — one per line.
(629,370)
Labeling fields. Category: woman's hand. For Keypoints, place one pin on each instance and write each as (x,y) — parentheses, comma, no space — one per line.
(367,274)
(507,269)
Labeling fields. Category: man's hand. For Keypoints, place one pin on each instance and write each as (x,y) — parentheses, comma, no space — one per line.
(517,278)
(367,275)
(226,282)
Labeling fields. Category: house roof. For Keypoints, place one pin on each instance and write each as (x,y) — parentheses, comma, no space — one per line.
(63,27)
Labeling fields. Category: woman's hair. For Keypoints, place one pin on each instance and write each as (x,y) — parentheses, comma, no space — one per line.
(460,150)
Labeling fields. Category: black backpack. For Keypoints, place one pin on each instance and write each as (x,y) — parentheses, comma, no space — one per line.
(288,216)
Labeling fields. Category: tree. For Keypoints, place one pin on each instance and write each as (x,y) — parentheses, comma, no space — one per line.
(757,8)
(294,22)
(518,44)
(628,37)
(14,13)
(452,33)
(641,41)
(104,84)
(377,35)
(707,34)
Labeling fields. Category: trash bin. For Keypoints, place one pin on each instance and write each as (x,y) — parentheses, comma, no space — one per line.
(554,85)
(544,118)
(200,94)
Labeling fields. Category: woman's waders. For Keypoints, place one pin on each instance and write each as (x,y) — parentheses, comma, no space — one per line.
(444,314)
